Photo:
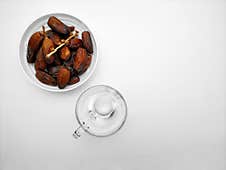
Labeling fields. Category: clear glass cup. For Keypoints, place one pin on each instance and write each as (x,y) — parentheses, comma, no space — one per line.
(37,26)
(100,111)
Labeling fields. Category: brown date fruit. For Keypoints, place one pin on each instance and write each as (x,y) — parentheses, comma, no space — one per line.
(74,80)
(45,78)
(88,62)
(63,77)
(75,43)
(54,37)
(34,44)
(65,53)
(40,63)
(80,59)
(87,42)
(58,26)
(47,47)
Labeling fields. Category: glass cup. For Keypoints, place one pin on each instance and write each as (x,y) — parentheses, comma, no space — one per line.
(100,111)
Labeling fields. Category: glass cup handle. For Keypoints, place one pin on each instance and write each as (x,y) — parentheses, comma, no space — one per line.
(77,132)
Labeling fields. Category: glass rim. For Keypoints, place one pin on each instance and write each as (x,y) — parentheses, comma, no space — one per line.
(123,99)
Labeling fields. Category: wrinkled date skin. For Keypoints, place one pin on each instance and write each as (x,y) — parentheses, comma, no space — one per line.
(87,42)
(45,78)
(47,47)
(74,80)
(34,44)
(54,37)
(80,59)
(88,62)
(63,77)
(58,26)
(65,53)
(75,43)
(40,63)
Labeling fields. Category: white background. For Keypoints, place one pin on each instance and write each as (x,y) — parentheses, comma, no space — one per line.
(167,57)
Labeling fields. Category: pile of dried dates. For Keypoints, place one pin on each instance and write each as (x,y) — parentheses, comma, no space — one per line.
(59,56)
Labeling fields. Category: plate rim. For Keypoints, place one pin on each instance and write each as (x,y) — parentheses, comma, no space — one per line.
(57,89)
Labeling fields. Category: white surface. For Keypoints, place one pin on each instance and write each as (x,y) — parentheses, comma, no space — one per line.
(166,57)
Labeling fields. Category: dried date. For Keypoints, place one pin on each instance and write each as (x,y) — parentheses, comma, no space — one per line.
(80,59)
(74,80)
(65,53)
(34,44)
(58,26)
(87,42)
(45,78)
(63,77)
(40,63)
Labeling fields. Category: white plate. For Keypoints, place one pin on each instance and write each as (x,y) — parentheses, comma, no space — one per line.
(36,26)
